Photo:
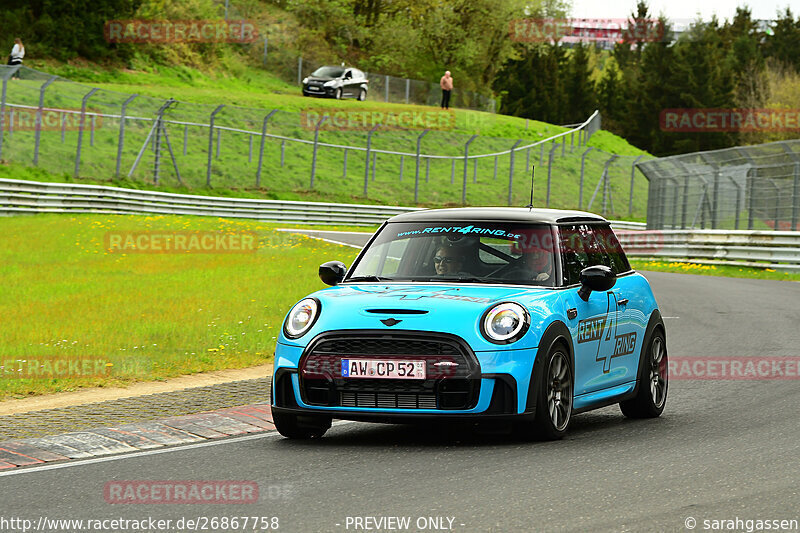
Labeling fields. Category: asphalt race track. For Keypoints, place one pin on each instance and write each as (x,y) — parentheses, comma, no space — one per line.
(722,450)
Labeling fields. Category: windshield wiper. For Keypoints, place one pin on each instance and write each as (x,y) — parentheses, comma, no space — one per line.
(465,279)
(369,278)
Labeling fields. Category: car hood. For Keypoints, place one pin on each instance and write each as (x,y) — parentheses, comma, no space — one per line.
(320,78)
(449,308)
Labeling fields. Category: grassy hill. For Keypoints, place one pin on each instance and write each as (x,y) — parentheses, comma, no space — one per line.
(249,93)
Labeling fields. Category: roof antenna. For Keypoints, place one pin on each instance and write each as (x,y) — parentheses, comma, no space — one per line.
(533,171)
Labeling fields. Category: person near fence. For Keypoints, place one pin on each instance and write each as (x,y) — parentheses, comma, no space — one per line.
(17,53)
(446,83)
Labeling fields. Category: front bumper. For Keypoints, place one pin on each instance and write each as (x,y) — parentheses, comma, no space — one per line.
(483,384)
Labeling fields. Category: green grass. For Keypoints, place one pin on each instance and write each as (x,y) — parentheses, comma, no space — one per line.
(684,267)
(234,171)
(151,316)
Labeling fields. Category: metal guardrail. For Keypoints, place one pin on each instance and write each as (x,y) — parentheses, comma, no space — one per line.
(779,250)
(29,197)
(18,197)
(772,249)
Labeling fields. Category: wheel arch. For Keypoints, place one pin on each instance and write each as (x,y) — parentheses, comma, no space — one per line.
(656,323)
(556,332)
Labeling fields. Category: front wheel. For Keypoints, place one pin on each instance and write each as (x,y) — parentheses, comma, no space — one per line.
(651,396)
(338,94)
(301,427)
(362,95)
(554,398)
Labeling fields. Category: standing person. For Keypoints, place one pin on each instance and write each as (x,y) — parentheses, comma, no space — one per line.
(17,53)
(446,83)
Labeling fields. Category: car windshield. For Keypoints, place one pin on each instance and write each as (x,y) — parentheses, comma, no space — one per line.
(468,252)
(328,72)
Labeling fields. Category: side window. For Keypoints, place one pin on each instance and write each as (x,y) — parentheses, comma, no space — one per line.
(585,245)
(616,256)
(348,74)
(574,252)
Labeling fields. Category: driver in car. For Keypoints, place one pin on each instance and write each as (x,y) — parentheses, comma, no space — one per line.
(448,260)
(540,262)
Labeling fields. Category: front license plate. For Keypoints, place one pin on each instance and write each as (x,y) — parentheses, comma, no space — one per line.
(382,369)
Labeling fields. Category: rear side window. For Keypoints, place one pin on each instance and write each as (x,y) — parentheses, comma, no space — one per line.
(584,245)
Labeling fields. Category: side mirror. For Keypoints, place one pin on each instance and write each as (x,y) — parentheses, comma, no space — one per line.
(596,278)
(332,272)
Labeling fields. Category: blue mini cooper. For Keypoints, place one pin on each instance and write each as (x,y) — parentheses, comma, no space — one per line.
(516,314)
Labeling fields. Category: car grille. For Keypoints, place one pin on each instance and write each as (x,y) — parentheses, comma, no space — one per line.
(452,372)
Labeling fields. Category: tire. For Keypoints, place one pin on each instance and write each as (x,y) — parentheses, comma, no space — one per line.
(301,427)
(653,382)
(554,398)
(338,94)
(362,95)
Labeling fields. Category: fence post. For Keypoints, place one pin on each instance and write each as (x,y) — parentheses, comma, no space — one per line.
(511,170)
(495,166)
(583,166)
(572,141)
(219,138)
(374,160)
(466,161)
(795,186)
(750,198)
(80,129)
(416,176)
(265,51)
(299,70)
(549,173)
(211,143)
(158,127)
(261,148)
(452,171)
(10,72)
(401,167)
(366,162)
(633,176)
(344,166)
(427,169)
(408,88)
(39,112)
(316,145)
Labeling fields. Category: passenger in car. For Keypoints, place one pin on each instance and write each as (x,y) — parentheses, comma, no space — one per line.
(540,262)
(448,260)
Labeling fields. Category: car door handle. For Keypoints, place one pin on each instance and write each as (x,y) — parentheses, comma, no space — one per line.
(624,301)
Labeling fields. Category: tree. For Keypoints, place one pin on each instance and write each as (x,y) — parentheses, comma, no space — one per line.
(580,95)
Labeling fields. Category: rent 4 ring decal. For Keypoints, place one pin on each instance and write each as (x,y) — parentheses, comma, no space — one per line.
(602,329)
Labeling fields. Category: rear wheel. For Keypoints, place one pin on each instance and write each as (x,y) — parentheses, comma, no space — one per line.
(554,399)
(651,396)
(301,427)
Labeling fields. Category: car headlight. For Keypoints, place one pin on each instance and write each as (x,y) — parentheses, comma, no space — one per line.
(305,80)
(331,83)
(301,318)
(505,323)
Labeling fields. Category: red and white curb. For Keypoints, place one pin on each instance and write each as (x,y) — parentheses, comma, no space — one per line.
(229,422)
